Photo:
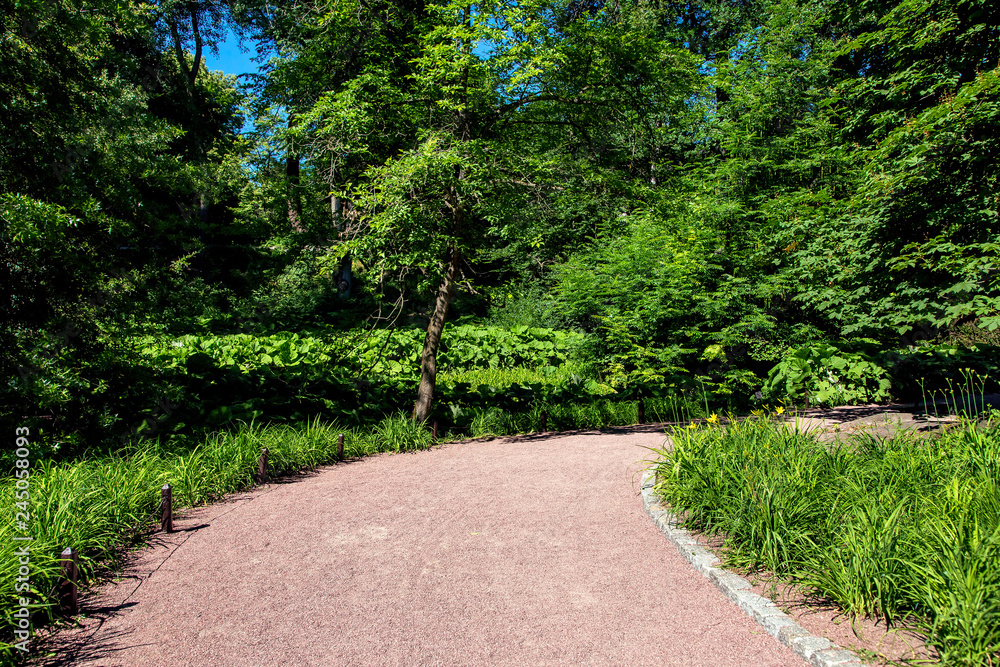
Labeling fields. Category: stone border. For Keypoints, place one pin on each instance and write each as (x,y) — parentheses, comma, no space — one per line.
(817,651)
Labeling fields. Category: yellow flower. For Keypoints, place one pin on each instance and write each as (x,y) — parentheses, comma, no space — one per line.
(692,425)
(779,410)
(714,419)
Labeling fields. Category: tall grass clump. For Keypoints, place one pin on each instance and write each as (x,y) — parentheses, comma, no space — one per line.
(902,528)
(102,505)
(504,377)
(594,414)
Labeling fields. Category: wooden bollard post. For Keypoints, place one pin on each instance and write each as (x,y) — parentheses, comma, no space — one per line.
(642,412)
(340,447)
(67,593)
(545,421)
(262,466)
(166,509)
(434,431)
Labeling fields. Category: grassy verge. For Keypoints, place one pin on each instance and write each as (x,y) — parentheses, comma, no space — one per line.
(101,505)
(571,416)
(902,528)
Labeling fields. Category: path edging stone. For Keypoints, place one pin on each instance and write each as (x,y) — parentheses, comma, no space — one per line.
(817,651)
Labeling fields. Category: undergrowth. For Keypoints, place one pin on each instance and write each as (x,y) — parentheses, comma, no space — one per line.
(573,416)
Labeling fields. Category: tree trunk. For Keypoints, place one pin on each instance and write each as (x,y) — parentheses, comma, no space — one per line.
(428,359)
(336,212)
(344,278)
(293,195)
(294,200)
(197,46)
(203,204)
(344,275)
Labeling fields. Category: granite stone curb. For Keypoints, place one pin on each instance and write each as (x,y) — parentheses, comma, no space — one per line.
(817,651)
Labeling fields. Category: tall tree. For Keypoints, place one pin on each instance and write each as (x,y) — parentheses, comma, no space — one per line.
(917,248)
(483,70)
(93,163)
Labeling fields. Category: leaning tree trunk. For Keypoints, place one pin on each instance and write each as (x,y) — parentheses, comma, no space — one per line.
(428,358)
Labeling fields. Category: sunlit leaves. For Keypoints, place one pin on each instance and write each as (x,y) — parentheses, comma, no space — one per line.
(27,220)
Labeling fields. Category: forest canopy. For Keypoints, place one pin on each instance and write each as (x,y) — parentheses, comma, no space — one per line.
(747,197)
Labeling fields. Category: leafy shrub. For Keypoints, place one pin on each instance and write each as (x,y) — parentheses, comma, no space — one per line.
(822,374)
(396,352)
(76,392)
(527,305)
(286,376)
(242,351)
(306,288)
(222,379)
(217,380)
(926,367)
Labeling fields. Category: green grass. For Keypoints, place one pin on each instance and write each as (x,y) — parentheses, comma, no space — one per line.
(903,528)
(572,416)
(101,505)
(504,377)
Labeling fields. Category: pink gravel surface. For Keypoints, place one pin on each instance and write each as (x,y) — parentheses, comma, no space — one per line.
(515,551)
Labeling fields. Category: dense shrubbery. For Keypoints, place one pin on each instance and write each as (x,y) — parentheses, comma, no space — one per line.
(823,375)
(196,382)
(182,386)
(465,347)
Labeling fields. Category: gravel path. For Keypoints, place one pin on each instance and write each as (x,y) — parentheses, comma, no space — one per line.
(515,551)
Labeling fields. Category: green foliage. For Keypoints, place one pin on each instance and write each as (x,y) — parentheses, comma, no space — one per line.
(822,374)
(215,380)
(900,527)
(223,379)
(464,347)
(564,374)
(521,306)
(569,416)
(27,220)
(920,231)
(929,368)
(242,351)
(305,287)
(400,433)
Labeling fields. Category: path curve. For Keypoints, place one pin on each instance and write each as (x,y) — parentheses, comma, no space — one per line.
(525,550)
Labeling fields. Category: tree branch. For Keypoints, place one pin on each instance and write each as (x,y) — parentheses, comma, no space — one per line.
(197,45)
(179,51)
